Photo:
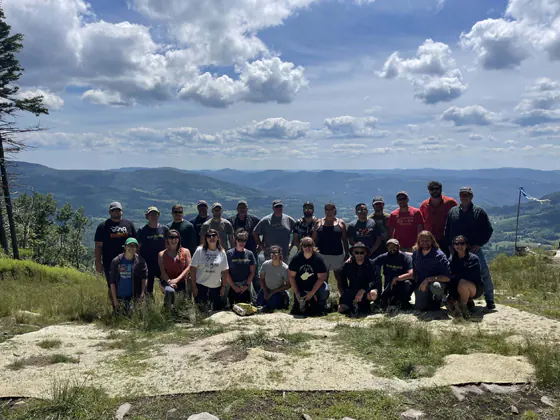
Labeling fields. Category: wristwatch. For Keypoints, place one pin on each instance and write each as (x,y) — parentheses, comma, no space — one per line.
(436,278)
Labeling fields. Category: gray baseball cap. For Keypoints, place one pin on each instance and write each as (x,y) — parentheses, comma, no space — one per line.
(115,205)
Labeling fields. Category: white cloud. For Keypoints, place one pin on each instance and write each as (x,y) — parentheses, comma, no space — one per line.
(271,128)
(476,137)
(506,42)
(433,72)
(547,131)
(347,126)
(470,115)
(541,104)
(52,101)
(102,97)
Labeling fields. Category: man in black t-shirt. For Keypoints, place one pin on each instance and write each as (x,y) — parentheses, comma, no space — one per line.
(242,269)
(189,237)
(202,217)
(364,230)
(110,237)
(244,220)
(152,241)
(396,265)
(307,273)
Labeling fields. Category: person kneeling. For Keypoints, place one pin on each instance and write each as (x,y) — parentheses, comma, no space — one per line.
(466,278)
(274,282)
(242,266)
(128,278)
(361,282)
(174,264)
(308,274)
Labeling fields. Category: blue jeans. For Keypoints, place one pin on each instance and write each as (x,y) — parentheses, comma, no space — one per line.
(279,300)
(431,298)
(486,277)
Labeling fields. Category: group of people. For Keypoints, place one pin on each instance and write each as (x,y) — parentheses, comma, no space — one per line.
(378,260)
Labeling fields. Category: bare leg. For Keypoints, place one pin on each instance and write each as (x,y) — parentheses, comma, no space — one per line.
(467,290)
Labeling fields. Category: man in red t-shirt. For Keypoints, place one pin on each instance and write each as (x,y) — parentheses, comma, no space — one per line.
(405,223)
(434,210)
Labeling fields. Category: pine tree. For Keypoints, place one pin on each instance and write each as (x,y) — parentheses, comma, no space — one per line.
(10,106)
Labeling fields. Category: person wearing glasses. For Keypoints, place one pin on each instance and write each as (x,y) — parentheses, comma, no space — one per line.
(435,210)
(364,230)
(466,278)
(242,267)
(405,223)
(209,271)
(275,229)
(220,225)
(174,264)
(304,225)
(331,238)
(189,238)
(274,282)
(307,273)
(361,281)
(110,238)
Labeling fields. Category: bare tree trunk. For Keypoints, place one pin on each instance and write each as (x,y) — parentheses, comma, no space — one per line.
(8,200)
(3,239)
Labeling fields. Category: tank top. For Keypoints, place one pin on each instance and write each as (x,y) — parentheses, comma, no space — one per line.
(329,239)
(175,266)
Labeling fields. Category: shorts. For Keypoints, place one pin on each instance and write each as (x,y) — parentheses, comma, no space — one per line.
(334,262)
(479,291)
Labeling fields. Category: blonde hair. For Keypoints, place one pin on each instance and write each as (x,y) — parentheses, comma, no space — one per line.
(308,240)
(426,234)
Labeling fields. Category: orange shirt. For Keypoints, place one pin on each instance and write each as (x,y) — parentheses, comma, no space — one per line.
(435,216)
(175,266)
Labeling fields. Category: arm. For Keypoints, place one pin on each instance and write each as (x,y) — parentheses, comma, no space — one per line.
(227,277)
(193,282)
(321,277)
(98,252)
(314,232)
(183,276)
(252,270)
(113,277)
(295,240)
(487,228)
(144,277)
(256,235)
(344,238)
(376,245)
(192,241)
(203,230)
(292,279)
(164,276)
(114,295)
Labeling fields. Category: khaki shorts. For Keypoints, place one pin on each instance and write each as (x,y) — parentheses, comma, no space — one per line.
(334,262)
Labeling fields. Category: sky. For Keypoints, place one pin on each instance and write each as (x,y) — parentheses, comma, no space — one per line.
(291,84)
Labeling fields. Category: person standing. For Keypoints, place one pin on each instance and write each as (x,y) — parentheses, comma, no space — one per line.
(189,237)
(405,223)
(361,281)
(110,238)
(381,221)
(274,282)
(275,229)
(128,276)
(242,268)
(364,230)
(174,264)
(244,220)
(304,225)
(209,272)
(435,210)
(331,238)
(307,273)
(471,221)
(152,241)
(201,218)
(220,225)
(398,274)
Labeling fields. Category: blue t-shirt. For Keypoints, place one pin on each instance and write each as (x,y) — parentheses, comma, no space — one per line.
(125,282)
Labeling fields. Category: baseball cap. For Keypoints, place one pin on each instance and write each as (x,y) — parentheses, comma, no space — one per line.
(359,245)
(402,193)
(151,209)
(309,204)
(115,205)
(130,241)
(202,203)
(216,205)
(377,199)
(242,202)
(465,190)
(394,242)
(277,203)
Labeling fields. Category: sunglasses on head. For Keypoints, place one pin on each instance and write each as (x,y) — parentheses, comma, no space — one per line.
(212,235)
(460,243)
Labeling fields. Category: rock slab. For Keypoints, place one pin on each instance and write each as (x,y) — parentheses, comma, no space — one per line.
(412,414)
(122,411)
(203,416)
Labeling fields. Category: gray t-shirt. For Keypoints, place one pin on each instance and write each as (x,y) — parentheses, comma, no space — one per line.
(276,231)
(274,277)
(224,229)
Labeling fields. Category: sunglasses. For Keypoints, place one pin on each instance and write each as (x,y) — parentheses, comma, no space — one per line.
(173,237)
(329,209)
(241,240)
(359,253)
(435,189)
(212,235)
(460,243)
(115,210)
(274,253)
(401,198)
(362,210)
(177,212)
(307,246)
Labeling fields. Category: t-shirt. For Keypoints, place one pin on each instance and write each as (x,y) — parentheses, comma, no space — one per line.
(209,266)
(307,269)
(393,265)
(223,227)
(113,235)
(189,238)
(406,225)
(303,228)
(240,265)
(366,232)
(197,222)
(124,289)
(276,231)
(248,224)
(436,216)
(274,277)
(152,241)
(382,223)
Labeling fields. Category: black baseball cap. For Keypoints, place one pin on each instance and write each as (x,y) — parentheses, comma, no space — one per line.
(202,203)
(308,204)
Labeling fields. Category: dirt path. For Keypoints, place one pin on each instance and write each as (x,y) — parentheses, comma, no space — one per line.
(212,364)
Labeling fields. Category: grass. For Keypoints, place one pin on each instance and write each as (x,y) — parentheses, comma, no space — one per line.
(532,281)
(289,343)
(49,344)
(41,361)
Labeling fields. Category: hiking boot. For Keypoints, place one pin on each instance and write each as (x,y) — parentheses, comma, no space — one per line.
(464,310)
(490,305)
(471,305)
(450,305)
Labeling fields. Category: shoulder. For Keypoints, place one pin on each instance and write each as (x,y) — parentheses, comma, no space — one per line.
(117,259)
(231,219)
(478,209)
(473,257)
(207,223)
(413,210)
(290,218)
(450,201)
(226,222)
(199,250)
(230,251)
(266,263)
(187,224)
(103,224)
(425,204)
(394,213)
(255,218)
(353,223)
(165,228)
(441,255)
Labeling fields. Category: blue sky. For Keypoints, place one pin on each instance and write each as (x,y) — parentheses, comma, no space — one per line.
(292,84)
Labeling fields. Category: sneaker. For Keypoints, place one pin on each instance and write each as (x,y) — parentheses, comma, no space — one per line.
(302,305)
(490,305)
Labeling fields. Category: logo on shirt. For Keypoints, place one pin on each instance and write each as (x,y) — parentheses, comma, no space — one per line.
(118,231)
(306,272)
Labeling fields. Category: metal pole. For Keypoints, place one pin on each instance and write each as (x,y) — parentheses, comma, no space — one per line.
(517,225)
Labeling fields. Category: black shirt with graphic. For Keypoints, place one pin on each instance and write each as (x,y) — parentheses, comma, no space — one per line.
(113,235)
(248,224)
(152,241)
(240,263)
(189,237)
(307,269)
(393,265)
(197,222)
(303,228)
(365,232)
